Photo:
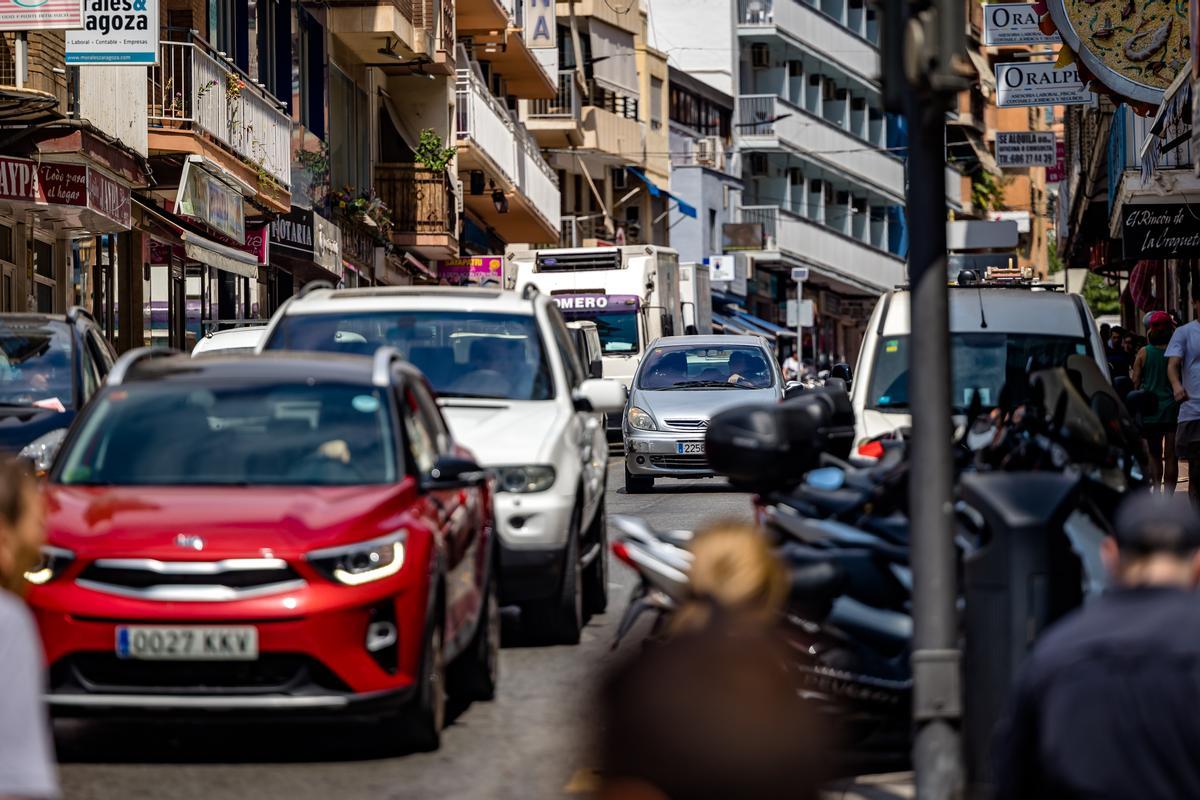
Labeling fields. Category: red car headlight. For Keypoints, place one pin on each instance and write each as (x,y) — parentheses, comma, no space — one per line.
(362,562)
(54,560)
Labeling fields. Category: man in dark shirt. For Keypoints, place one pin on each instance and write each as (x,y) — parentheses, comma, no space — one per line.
(1106,706)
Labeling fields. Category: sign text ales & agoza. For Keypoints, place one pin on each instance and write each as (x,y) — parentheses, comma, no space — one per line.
(115,32)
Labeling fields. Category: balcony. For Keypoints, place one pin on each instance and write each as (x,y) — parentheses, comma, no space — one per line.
(824,36)
(839,255)
(434,23)
(362,26)
(491,142)
(611,125)
(584,231)
(557,122)
(200,103)
(423,208)
(813,137)
(481,15)
(44,90)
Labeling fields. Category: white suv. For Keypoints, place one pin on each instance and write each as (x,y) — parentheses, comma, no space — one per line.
(515,393)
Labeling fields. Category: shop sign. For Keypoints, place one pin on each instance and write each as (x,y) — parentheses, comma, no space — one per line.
(1169,230)
(31,15)
(1016,149)
(1038,83)
(108,198)
(541,23)
(1134,48)
(64,185)
(722,267)
(257,242)
(115,32)
(584,305)
(1013,23)
(327,245)
(292,234)
(205,199)
(474,271)
(1059,170)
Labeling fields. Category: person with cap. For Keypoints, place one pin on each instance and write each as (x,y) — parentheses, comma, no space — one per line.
(1105,705)
(1158,428)
(1183,370)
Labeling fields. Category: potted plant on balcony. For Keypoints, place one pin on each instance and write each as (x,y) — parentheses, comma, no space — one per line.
(432,153)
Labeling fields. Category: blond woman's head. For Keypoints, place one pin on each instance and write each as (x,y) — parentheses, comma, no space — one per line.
(735,573)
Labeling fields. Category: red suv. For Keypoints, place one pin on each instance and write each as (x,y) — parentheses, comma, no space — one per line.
(283,534)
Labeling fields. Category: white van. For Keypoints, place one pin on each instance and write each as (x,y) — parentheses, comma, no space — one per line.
(998,333)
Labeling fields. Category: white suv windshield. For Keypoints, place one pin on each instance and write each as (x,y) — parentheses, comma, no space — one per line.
(463,354)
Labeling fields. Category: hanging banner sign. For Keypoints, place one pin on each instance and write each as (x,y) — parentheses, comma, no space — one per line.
(31,15)
(1038,83)
(115,32)
(1013,23)
(1058,171)
(541,29)
(1015,149)
(207,200)
(473,271)
(1169,230)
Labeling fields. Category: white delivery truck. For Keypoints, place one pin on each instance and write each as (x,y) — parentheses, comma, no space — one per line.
(695,289)
(630,292)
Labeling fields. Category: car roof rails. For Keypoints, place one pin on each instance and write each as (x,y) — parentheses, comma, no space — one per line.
(75,312)
(381,371)
(530,291)
(134,357)
(313,286)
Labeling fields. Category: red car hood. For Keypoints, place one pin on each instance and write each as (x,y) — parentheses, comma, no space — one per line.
(233,522)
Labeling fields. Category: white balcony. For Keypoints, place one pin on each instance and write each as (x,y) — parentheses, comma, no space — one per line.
(835,254)
(491,141)
(194,89)
(770,123)
(814,30)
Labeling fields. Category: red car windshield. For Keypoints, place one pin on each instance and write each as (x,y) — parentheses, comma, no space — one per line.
(180,434)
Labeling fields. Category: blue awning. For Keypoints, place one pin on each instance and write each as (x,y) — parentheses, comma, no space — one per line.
(769,327)
(685,208)
(730,326)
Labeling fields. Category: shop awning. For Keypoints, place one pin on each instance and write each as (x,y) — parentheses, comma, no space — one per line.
(229,259)
(987,78)
(769,327)
(1171,127)
(685,208)
(729,326)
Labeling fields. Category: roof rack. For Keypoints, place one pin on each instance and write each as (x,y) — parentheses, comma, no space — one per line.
(530,291)
(75,312)
(381,371)
(313,286)
(134,357)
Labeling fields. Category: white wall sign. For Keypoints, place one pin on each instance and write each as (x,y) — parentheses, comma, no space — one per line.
(541,29)
(1038,83)
(1017,149)
(806,313)
(722,268)
(1013,23)
(115,32)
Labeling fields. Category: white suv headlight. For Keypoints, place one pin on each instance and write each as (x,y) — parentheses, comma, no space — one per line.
(524,479)
(362,562)
(641,420)
(42,450)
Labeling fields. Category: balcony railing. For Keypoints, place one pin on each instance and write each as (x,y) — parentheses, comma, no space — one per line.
(612,102)
(564,104)
(422,200)
(358,246)
(194,88)
(538,181)
(855,46)
(436,19)
(575,230)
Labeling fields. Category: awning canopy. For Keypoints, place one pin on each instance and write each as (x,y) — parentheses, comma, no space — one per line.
(229,259)
(655,190)
(987,78)
(730,326)
(770,327)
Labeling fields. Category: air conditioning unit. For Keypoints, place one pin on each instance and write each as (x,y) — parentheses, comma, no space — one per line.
(760,55)
(758,164)
(710,152)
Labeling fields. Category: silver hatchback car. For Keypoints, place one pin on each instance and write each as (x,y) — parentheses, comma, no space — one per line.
(682,382)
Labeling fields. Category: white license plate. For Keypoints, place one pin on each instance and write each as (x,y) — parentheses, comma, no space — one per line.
(689,448)
(162,643)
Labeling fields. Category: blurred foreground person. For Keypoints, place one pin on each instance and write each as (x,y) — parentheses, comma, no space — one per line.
(26,752)
(1105,706)
(713,713)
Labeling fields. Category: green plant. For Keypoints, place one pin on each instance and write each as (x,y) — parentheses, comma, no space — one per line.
(431,152)
(987,194)
(1052,257)
(1101,296)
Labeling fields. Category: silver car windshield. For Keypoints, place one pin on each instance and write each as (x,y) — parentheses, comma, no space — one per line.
(706,367)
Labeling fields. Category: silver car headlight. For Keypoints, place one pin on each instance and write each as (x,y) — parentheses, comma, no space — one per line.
(54,560)
(362,562)
(42,450)
(640,420)
(524,479)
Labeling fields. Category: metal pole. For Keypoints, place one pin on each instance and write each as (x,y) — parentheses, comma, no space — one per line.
(21,56)
(937,752)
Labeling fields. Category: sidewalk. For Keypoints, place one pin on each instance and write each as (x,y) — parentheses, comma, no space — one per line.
(891,786)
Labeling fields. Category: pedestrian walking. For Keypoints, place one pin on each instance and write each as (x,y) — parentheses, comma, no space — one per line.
(26,751)
(1105,706)
(1183,370)
(1119,360)
(1158,429)
(791,367)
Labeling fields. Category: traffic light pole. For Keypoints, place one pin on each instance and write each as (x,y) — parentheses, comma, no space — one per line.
(937,749)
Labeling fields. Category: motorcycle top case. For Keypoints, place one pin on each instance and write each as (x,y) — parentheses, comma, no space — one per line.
(767,446)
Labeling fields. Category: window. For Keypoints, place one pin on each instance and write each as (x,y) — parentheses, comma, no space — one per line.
(690,368)
(307,97)
(714,232)
(567,351)
(422,440)
(44,276)
(271,434)
(35,363)
(656,98)
(349,159)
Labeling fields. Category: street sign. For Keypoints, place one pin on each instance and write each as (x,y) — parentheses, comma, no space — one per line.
(722,268)
(806,313)
(799,274)
(1017,149)
(1038,83)
(1013,23)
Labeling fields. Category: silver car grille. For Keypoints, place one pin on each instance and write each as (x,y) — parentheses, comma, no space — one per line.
(687,424)
(679,462)
(190,581)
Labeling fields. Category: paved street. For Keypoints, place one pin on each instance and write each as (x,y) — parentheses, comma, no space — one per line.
(530,743)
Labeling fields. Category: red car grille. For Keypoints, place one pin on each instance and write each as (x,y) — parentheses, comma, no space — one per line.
(271,672)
